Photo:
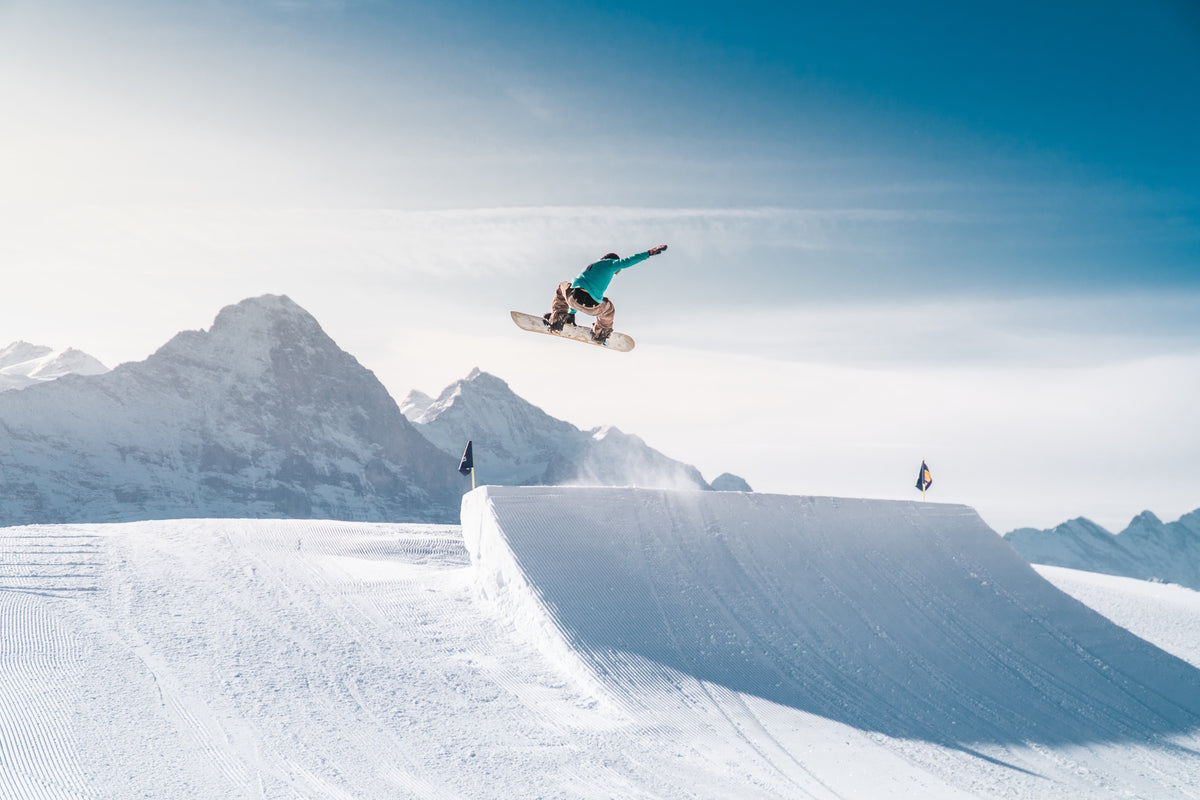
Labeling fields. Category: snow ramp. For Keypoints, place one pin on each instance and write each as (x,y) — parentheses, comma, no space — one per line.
(910,619)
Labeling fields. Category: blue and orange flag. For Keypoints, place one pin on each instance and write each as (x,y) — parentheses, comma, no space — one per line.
(924,478)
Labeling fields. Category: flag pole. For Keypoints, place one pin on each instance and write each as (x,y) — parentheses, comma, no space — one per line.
(472,479)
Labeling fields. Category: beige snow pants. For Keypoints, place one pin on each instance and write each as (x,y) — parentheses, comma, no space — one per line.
(604,311)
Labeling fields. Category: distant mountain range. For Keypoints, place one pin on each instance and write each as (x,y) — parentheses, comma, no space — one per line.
(518,444)
(1148,548)
(23,364)
(263,415)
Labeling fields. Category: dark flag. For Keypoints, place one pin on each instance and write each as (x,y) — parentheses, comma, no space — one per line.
(468,461)
(925,478)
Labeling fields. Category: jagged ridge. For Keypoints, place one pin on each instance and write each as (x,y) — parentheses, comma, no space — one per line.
(1147,549)
(519,444)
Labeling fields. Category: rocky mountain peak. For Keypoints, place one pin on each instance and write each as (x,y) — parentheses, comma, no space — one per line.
(517,443)
(253,337)
(23,364)
(1146,520)
(728,482)
(260,415)
(478,390)
(1146,549)
(479,384)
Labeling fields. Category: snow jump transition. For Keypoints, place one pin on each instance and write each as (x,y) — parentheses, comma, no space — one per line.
(910,619)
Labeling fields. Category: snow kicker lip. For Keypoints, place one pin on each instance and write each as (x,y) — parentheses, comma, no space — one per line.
(910,619)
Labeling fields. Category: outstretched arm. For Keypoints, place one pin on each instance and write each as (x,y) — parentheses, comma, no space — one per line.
(625,263)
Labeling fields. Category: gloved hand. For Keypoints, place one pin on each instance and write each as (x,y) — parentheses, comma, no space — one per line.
(656,250)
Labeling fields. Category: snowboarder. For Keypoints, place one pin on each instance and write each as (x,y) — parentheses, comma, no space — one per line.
(581,293)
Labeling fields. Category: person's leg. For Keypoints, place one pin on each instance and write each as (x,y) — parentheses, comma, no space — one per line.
(606,314)
(560,308)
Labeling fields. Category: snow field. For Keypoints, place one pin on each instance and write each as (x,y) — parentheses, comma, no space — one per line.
(582,643)
(264,659)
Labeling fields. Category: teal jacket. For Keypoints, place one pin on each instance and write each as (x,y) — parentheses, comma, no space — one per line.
(595,278)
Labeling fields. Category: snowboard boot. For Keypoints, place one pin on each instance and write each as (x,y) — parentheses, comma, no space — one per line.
(556,321)
(601,336)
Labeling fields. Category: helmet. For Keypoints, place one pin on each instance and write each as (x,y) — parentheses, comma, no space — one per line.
(610,255)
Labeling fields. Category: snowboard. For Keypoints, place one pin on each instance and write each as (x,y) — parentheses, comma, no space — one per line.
(616,341)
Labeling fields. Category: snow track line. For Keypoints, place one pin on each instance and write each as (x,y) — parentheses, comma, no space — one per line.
(195,720)
(1127,684)
(633,682)
(311,572)
(39,665)
(46,560)
(722,708)
(41,654)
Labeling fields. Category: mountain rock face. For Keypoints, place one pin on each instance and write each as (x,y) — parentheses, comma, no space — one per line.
(23,364)
(518,444)
(727,482)
(263,415)
(1147,549)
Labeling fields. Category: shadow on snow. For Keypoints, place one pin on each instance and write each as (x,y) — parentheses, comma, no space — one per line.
(913,620)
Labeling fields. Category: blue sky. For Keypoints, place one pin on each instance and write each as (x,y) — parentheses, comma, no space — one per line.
(996,201)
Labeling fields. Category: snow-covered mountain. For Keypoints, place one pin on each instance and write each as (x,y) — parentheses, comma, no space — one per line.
(263,415)
(23,364)
(518,444)
(1148,548)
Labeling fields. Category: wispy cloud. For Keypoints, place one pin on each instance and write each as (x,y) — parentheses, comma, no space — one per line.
(1039,331)
(451,243)
(768,280)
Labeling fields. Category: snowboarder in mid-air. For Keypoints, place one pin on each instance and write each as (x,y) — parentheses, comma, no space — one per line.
(581,294)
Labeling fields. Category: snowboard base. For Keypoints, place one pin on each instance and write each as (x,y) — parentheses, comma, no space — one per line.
(535,324)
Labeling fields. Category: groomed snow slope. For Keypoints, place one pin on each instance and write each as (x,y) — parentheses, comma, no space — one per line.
(911,620)
(693,645)
(1164,613)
